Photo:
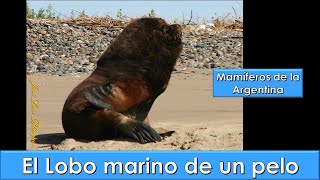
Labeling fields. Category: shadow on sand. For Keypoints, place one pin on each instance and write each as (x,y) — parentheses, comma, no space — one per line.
(57,138)
(53,138)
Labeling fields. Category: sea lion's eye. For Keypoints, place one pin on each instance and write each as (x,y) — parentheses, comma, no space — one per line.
(165,29)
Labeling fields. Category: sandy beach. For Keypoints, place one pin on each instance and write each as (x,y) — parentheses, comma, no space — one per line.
(200,121)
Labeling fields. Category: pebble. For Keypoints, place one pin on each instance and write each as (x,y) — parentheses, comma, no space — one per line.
(42,32)
(60,48)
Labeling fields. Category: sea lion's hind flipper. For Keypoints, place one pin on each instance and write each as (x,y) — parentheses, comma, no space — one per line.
(96,96)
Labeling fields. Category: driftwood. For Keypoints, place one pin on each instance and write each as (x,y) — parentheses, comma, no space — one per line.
(88,21)
(96,21)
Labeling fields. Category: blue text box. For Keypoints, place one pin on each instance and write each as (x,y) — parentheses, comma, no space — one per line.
(258,83)
(307,164)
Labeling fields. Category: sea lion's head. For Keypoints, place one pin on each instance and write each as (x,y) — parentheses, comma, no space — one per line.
(172,33)
(156,30)
(146,37)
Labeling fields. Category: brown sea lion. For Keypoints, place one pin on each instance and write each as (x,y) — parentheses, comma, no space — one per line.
(115,99)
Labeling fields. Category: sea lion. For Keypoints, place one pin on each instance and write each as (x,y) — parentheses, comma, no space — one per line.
(115,99)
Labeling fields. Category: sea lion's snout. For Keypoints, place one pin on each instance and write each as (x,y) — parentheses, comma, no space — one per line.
(177,31)
(174,32)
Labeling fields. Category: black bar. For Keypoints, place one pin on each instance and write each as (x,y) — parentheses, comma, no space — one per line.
(13,59)
(272,39)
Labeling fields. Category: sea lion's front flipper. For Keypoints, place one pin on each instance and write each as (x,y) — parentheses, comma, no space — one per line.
(125,126)
(97,95)
(139,131)
(142,110)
